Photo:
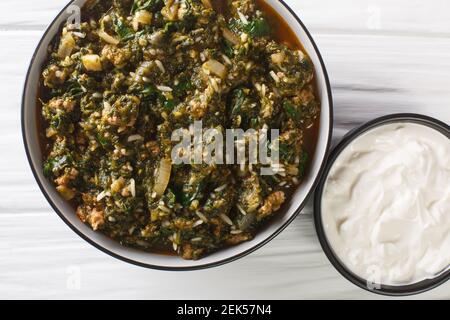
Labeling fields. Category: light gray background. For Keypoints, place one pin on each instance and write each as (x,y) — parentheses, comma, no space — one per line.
(383,57)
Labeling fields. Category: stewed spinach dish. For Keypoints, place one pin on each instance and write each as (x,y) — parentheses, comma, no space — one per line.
(117,85)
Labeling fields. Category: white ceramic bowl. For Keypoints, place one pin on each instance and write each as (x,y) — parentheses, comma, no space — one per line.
(141,258)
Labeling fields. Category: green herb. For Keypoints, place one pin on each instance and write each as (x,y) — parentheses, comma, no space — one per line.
(149,5)
(61,121)
(184,25)
(286,152)
(187,199)
(228,49)
(148,91)
(170,197)
(303,164)
(102,140)
(56,164)
(258,28)
(48,169)
(170,27)
(170,104)
(290,110)
(238,99)
(255,28)
(123,31)
(183,87)
(128,205)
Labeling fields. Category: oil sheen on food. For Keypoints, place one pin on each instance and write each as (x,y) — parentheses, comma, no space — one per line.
(386,204)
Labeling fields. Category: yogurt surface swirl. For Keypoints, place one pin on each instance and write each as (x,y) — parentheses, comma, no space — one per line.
(386,204)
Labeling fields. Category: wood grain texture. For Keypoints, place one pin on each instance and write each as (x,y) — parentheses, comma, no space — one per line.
(382,56)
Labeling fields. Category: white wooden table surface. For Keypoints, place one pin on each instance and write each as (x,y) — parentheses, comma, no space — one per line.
(383,56)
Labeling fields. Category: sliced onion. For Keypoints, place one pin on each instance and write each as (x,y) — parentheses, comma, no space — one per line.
(92,62)
(144,17)
(67,45)
(170,11)
(107,38)
(216,68)
(278,58)
(66,192)
(230,36)
(162,177)
(141,17)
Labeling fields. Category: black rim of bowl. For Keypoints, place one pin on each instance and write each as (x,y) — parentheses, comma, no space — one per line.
(206,265)
(405,290)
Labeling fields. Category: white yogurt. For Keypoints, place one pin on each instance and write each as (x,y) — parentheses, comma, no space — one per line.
(386,204)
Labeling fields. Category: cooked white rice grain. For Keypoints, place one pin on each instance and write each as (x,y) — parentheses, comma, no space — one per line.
(226,219)
(164,88)
(201,216)
(241,209)
(101,196)
(166,224)
(198,223)
(274,76)
(242,17)
(135,137)
(160,66)
(226,59)
(133,187)
(221,188)
(301,55)
(79,35)
(214,85)
(164,209)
